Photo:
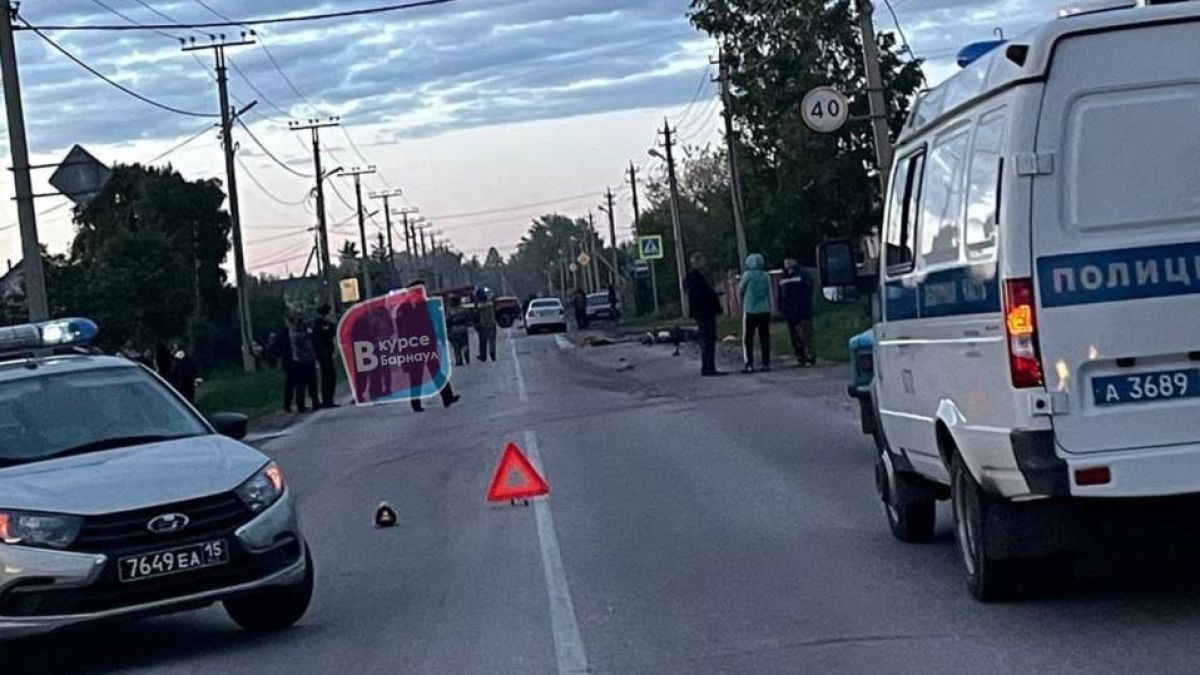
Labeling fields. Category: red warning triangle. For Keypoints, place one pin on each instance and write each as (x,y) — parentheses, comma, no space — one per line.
(516,478)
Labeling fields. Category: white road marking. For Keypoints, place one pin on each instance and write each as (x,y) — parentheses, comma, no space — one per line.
(516,361)
(568,643)
(563,342)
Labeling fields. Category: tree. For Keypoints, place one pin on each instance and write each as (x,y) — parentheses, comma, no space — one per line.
(146,263)
(800,186)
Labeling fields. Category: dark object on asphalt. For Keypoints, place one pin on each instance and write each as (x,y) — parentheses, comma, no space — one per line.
(385,516)
(704,305)
(715,373)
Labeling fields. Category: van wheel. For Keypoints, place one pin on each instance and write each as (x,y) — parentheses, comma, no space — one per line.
(989,579)
(910,517)
(276,608)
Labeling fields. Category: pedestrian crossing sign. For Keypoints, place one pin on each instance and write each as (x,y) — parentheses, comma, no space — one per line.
(650,247)
(584,259)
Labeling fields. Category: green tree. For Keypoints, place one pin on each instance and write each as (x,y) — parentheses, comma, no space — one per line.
(146,263)
(800,186)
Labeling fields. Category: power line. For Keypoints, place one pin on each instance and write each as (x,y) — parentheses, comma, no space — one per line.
(455,216)
(102,76)
(263,21)
(180,145)
(903,38)
(268,153)
(704,79)
(275,237)
(118,13)
(263,189)
(250,83)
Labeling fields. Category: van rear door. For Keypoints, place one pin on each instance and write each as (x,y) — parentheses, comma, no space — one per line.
(1116,237)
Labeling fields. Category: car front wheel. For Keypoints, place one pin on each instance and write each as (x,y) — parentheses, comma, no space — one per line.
(273,609)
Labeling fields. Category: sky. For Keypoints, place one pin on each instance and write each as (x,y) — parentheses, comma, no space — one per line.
(485,113)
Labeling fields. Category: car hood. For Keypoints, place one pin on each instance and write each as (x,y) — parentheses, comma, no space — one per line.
(131,478)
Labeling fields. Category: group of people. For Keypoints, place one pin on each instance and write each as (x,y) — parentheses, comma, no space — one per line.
(306,349)
(794,301)
(482,317)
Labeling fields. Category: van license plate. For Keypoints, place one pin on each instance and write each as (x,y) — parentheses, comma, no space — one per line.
(174,561)
(1146,387)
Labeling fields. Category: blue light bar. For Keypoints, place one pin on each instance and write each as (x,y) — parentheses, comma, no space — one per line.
(977,50)
(47,334)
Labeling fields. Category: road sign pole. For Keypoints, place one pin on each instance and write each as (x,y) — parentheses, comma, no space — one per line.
(654,284)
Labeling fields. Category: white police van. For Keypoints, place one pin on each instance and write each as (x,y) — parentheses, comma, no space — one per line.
(1037,345)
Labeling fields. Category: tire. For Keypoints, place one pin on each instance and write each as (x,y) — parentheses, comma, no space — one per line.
(911,516)
(988,579)
(273,609)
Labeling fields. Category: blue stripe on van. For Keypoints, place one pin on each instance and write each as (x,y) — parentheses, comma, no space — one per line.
(1123,274)
(973,289)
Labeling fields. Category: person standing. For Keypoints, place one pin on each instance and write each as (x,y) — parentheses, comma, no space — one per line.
(447,394)
(324,336)
(183,373)
(304,358)
(459,321)
(613,300)
(755,291)
(796,304)
(283,351)
(579,303)
(704,306)
(486,327)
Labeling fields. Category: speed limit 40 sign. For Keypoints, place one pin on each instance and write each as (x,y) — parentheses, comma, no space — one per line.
(825,110)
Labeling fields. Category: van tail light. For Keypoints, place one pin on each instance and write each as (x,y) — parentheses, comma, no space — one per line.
(1020,320)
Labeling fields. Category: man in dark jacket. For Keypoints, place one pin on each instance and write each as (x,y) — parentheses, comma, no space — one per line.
(579,302)
(324,335)
(796,304)
(704,306)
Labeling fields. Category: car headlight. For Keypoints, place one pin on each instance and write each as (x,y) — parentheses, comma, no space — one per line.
(38,529)
(263,489)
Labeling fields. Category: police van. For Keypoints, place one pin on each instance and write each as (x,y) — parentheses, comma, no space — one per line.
(1037,344)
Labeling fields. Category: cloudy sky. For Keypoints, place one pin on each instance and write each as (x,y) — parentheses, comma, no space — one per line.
(485,112)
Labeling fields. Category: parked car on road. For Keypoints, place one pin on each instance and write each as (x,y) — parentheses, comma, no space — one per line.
(546,314)
(117,499)
(862,376)
(599,307)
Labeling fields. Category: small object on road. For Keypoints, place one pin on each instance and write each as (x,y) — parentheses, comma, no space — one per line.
(516,478)
(385,516)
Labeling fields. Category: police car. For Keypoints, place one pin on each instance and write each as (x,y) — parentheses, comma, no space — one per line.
(117,498)
(1037,349)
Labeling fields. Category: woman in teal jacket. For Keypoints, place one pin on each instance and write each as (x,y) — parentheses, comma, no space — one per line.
(755,291)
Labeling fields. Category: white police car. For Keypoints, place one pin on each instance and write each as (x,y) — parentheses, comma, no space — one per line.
(117,498)
(1037,352)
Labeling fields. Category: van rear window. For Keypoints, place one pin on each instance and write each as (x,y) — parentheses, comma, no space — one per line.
(1131,160)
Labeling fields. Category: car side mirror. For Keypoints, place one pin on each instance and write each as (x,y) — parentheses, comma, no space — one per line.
(233,425)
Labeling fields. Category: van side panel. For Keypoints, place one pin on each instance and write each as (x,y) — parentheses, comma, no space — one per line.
(1116,236)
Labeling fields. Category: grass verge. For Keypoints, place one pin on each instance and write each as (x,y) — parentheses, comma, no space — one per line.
(253,394)
(833,326)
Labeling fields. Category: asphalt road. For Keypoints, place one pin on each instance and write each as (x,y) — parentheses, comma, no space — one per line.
(695,525)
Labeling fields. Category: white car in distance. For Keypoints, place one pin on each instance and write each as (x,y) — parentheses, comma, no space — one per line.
(545,314)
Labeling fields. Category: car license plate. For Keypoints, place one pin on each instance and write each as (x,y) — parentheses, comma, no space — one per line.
(1146,387)
(174,561)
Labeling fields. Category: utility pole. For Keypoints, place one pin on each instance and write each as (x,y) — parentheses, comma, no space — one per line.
(594,268)
(387,218)
(735,173)
(228,115)
(31,250)
(404,212)
(357,173)
(637,232)
(424,253)
(314,126)
(680,264)
(612,235)
(879,117)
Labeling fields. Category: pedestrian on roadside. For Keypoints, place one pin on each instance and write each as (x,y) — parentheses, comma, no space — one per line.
(304,359)
(755,291)
(183,373)
(271,351)
(324,337)
(579,303)
(485,327)
(795,302)
(704,306)
(458,322)
(447,394)
(163,360)
(283,351)
(612,301)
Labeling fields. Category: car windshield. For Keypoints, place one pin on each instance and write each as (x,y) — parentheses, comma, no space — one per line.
(84,411)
